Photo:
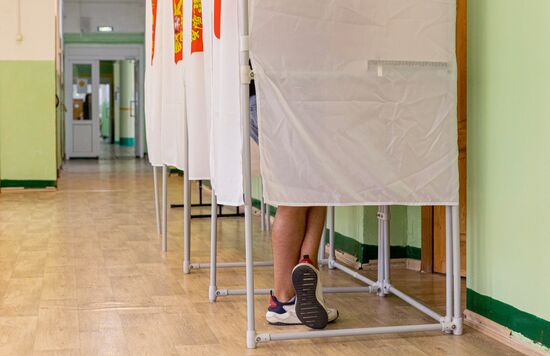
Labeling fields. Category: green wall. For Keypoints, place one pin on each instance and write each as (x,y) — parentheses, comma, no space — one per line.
(508,169)
(27,123)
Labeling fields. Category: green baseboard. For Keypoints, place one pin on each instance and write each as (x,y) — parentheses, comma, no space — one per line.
(365,253)
(28,184)
(127,141)
(414,253)
(528,325)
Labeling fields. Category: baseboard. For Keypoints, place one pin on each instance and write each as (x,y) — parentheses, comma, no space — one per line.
(503,334)
(344,258)
(397,263)
(351,261)
(11,184)
(28,190)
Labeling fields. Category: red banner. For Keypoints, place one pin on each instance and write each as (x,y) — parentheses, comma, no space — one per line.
(217,18)
(197,44)
(154,25)
(178,30)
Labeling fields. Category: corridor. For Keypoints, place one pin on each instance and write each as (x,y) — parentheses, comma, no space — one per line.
(82,273)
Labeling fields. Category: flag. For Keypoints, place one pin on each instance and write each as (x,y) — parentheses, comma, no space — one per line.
(356,100)
(177,9)
(153,79)
(198,120)
(226,142)
(173,90)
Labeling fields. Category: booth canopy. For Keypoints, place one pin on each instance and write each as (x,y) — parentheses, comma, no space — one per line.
(357,101)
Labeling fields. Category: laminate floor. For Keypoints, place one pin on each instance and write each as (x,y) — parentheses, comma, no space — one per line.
(82,273)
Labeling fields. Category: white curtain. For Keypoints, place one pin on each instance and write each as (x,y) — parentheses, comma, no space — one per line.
(153,80)
(226,136)
(357,101)
(172,92)
(198,119)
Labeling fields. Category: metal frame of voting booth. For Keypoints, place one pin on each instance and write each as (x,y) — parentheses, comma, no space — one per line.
(450,323)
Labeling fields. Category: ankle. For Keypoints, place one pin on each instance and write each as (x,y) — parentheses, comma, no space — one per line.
(283,297)
(310,259)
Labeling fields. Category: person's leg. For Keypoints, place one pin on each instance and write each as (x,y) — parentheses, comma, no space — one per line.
(310,306)
(288,233)
(315,224)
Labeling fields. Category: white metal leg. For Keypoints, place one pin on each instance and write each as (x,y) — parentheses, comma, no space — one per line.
(381,254)
(267,217)
(332,248)
(457,309)
(262,214)
(247,179)
(213,246)
(421,307)
(164,208)
(266,291)
(355,275)
(386,244)
(449,265)
(186,221)
(348,332)
(230,265)
(157,200)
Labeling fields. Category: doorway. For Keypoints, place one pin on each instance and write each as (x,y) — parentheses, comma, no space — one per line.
(118,91)
(107,117)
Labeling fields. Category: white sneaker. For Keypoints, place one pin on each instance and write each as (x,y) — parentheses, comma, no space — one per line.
(311,309)
(280,313)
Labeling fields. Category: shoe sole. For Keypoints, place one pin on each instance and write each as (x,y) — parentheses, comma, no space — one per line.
(283,324)
(308,308)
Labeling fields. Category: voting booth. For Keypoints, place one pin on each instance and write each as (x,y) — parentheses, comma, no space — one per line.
(357,105)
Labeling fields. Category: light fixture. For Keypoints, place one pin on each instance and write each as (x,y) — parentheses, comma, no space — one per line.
(105,28)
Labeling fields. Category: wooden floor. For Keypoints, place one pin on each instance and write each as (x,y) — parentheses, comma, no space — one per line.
(81,273)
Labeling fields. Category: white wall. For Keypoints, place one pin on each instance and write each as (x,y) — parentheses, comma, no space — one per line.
(37,28)
(123,15)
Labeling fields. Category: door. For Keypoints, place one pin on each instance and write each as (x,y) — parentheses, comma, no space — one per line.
(433,218)
(139,119)
(82,118)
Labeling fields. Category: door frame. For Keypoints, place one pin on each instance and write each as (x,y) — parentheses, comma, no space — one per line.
(432,217)
(114,52)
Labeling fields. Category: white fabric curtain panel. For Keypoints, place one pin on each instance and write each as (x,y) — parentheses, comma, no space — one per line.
(356,101)
(173,136)
(226,136)
(153,80)
(198,120)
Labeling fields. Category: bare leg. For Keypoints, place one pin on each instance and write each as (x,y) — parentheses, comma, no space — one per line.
(289,229)
(315,224)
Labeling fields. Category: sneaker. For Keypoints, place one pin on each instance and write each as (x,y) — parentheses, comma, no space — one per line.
(280,313)
(311,309)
